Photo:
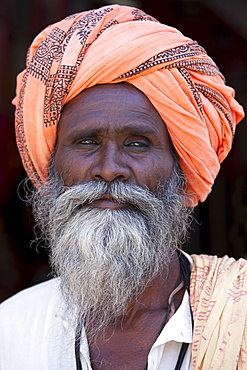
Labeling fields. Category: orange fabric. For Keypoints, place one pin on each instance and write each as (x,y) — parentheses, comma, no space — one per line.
(218,295)
(119,43)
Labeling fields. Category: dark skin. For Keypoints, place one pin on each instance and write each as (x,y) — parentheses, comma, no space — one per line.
(113,133)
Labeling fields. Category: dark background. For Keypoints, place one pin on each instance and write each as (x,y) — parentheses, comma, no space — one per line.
(218,25)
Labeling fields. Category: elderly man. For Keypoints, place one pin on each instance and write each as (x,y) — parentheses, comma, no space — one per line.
(122,124)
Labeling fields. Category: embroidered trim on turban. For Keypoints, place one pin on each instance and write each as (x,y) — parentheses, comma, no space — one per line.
(120,43)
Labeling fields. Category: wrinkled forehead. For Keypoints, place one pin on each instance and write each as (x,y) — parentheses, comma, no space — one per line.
(117,103)
(121,94)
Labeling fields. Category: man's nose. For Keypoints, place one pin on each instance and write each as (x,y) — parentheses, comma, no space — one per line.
(110,166)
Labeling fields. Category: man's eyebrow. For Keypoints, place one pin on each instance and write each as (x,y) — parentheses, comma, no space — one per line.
(136,129)
(129,129)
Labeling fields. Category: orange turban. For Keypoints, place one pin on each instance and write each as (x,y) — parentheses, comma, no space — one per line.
(119,43)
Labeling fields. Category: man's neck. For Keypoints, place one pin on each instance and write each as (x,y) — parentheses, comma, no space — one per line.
(131,340)
(156,295)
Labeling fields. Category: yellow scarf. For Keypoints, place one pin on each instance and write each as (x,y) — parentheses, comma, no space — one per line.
(219,306)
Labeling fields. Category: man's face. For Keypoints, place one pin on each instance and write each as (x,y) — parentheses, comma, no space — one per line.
(109,236)
(112,132)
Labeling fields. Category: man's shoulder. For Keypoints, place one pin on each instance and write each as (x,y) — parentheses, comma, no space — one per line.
(214,276)
(33,332)
(37,297)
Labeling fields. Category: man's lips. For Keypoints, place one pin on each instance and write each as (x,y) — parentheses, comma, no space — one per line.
(107,202)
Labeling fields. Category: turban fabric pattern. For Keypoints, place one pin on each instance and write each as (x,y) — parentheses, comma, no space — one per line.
(120,43)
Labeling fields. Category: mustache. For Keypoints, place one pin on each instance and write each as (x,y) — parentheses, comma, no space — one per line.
(85,194)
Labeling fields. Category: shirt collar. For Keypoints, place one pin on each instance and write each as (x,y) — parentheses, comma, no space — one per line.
(179,327)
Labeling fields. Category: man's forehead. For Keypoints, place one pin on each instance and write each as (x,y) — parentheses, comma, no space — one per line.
(116,111)
(122,93)
(116,101)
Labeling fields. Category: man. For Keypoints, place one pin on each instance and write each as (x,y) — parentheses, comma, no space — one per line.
(111,107)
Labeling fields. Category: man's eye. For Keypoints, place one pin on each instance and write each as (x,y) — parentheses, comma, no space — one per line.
(87,142)
(138,144)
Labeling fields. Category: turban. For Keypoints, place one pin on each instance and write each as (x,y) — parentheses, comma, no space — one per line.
(120,43)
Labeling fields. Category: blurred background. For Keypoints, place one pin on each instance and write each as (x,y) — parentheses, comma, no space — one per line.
(218,25)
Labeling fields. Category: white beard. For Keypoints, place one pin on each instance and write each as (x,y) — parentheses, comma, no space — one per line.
(105,257)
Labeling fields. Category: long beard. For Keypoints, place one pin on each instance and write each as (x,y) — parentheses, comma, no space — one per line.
(105,257)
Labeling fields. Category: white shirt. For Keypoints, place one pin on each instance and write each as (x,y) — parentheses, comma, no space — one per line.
(35,334)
